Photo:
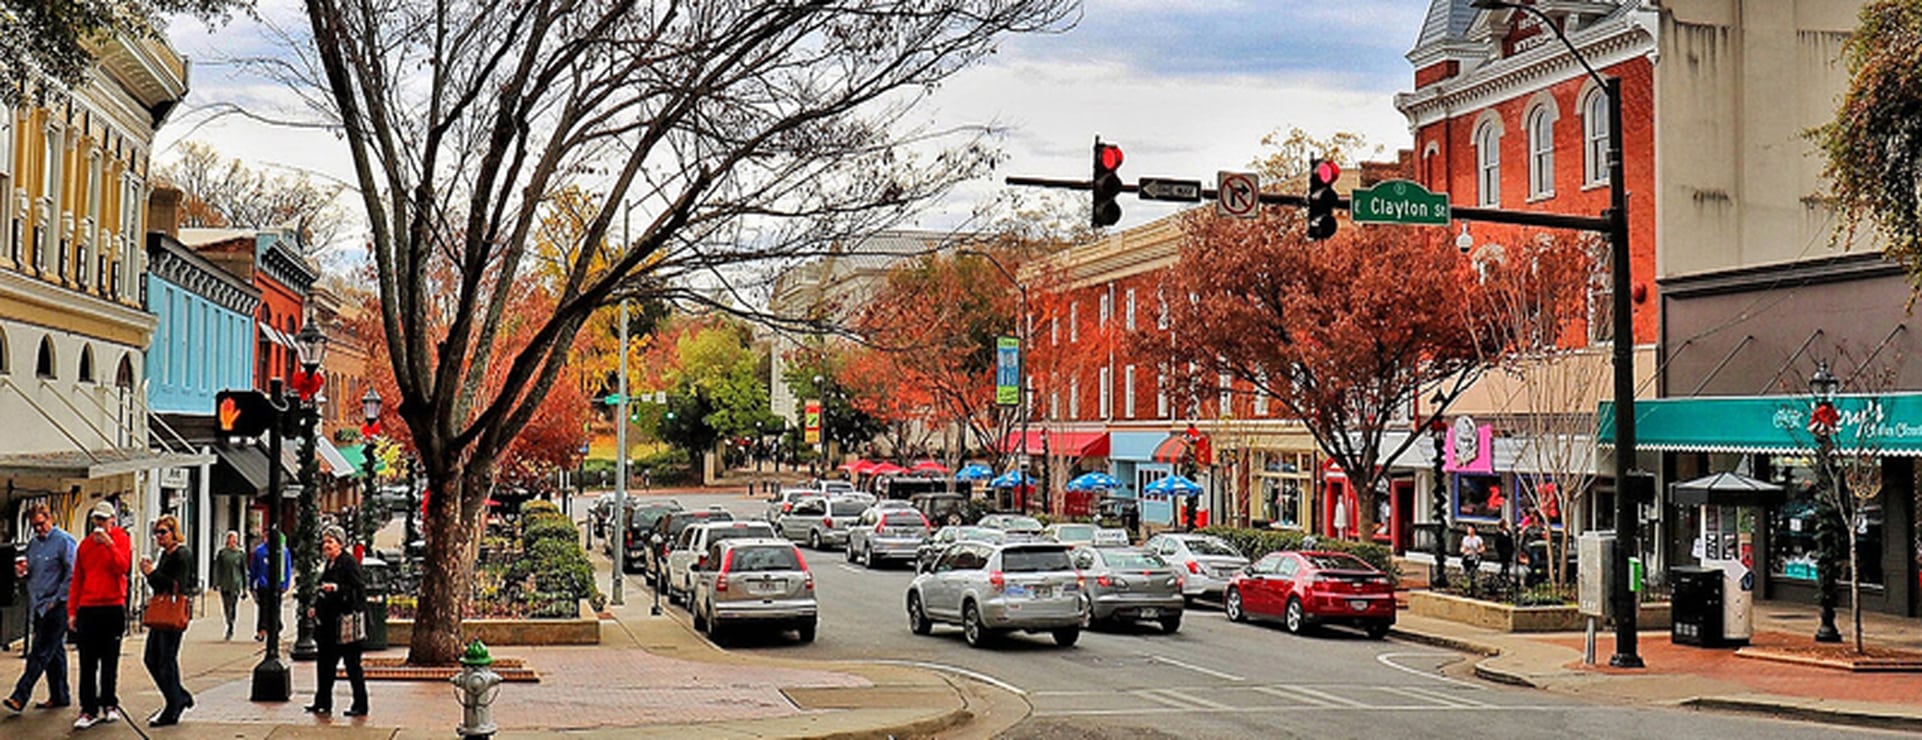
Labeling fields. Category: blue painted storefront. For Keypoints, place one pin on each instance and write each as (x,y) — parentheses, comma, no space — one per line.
(200,346)
(1130,459)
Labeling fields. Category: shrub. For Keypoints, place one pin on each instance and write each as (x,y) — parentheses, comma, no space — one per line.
(540,508)
(542,527)
(1258,542)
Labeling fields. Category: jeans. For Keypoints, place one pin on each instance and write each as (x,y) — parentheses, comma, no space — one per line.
(229,600)
(49,656)
(263,603)
(331,655)
(100,629)
(163,663)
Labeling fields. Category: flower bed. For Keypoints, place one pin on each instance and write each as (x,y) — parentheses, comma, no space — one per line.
(541,574)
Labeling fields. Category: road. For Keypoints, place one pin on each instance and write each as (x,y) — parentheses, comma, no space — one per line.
(1215,678)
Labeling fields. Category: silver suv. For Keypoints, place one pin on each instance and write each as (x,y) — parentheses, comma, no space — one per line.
(822,523)
(693,545)
(886,534)
(760,582)
(993,589)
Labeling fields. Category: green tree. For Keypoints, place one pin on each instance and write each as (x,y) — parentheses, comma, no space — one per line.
(1874,143)
(56,38)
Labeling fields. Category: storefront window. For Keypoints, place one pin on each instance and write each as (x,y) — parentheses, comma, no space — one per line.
(1479,497)
(1538,503)
(1283,488)
(1792,528)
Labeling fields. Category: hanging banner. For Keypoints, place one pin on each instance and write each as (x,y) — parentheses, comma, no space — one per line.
(1007,371)
(811,422)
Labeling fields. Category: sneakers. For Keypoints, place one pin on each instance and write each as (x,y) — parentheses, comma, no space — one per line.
(14,705)
(111,715)
(85,721)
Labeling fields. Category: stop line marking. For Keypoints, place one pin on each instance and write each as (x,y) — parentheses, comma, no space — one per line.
(1190,666)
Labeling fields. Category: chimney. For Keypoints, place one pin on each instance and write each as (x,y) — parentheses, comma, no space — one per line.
(163,211)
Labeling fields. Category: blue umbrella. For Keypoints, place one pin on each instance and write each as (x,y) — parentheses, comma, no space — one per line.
(974,471)
(1096,481)
(1174,485)
(1011,479)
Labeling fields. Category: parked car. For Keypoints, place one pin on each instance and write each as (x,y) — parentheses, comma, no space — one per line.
(1016,525)
(1302,589)
(990,590)
(832,487)
(1210,561)
(944,509)
(784,502)
(894,503)
(1105,537)
(821,523)
(1070,533)
(1128,584)
(754,583)
(667,531)
(693,545)
(640,522)
(931,547)
(886,534)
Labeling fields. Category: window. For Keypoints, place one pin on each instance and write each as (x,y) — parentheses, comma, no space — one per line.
(9,229)
(1074,322)
(1130,316)
(1074,398)
(123,377)
(86,364)
(53,166)
(1128,388)
(1054,404)
(1161,395)
(1054,331)
(1106,394)
(1488,165)
(1601,304)
(1225,384)
(1261,394)
(1595,138)
(1541,152)
(1107,308)
(4,367)
(1161,311)
(43,365)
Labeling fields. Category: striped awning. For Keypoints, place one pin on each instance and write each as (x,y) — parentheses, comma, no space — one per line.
(1889,425)
(275,335)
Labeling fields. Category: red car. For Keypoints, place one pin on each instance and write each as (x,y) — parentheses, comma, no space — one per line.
(1302,589)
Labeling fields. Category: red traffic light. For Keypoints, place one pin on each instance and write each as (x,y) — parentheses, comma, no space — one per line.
(1110,157)
(1327,171)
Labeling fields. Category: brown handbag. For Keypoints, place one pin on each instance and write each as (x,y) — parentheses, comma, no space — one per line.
(169,612)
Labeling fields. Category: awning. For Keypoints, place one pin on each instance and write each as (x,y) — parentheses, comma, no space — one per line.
(95,463)
(331,461)
(1778,425)
(274,335)
(238,471)
(356,457)
(1060,444)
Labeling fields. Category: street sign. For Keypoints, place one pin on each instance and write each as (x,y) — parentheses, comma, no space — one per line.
(1398,202)
(612,399)
(1161,188)
(1007,371)
(1237,194)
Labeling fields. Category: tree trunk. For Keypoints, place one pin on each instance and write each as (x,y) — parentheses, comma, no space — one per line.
(447,571)
(1363,517)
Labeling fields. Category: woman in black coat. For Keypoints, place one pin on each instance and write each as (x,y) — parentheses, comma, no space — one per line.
(341,596)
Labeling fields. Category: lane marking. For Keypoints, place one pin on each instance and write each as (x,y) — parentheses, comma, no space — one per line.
(957,670)
(1157,697)
(848,568)
(1443,696)
(1336,699)
(1281,692)
(1192,699)
(1299,708)
(1193,667)
(1386,659)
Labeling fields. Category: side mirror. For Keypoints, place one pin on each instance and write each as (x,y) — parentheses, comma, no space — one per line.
(655,538)
(923,567)
(694,567)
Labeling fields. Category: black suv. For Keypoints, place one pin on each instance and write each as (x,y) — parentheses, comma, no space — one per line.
(667,530)
(641,519)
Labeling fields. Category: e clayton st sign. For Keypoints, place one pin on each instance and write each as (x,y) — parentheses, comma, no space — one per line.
(1398,202)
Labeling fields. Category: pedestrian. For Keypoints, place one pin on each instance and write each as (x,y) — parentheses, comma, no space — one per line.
(230,578)
(264,595)
(338,611)
(173,574)
(97,613)
(1505,549)
(1472,549)
(48,568)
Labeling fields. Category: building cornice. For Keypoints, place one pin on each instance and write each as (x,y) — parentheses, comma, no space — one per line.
(287,268)
(173,262)
(138,325)
(1839,268)
(1605,44)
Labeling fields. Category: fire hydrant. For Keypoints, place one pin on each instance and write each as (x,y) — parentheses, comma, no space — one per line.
(475,687)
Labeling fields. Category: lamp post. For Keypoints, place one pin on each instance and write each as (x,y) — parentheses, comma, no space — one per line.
(1620,284)
(311,346)
(1822,421)
(1021,361)
(272,677)
(1438,432)
(369,412)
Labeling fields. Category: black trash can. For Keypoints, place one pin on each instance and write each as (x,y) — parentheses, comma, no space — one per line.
(1696,606)
(379,577)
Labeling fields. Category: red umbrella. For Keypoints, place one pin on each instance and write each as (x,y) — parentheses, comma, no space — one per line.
(856,466)
(887,468)
(930,466)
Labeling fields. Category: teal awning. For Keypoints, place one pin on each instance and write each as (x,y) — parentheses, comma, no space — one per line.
(355,457)
(1890,424)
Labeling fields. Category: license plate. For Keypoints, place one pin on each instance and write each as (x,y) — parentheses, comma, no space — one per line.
(1358,604)
(764,587)
(1042,592)
(1150,613)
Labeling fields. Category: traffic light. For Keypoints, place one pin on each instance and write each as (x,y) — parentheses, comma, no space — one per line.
(1321,197)
(1107,184)
(243,413)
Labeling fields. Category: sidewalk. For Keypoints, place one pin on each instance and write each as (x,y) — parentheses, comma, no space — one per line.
(650,677)
(1679,675)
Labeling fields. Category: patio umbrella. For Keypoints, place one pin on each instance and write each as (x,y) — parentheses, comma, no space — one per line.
(930,466)
(1174,485)
(886,468)
(1726,489)
(1011,479)
(974,471)
(855,466)
(1096,481)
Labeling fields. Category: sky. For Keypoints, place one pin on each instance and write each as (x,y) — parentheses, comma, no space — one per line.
(1185,87)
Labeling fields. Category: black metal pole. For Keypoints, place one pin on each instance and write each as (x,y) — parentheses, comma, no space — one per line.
(1621,283)
(1828,532)
(1438,578)
(273,678)
(306,549)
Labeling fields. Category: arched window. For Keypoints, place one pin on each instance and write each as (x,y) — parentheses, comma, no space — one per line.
(4,366)
(123,377)
(1488,165)
(1595,138)
(7,182)
(43,365)
(86,364)
(1541,152)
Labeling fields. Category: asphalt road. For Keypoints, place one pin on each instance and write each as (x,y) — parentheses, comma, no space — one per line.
(1215,678)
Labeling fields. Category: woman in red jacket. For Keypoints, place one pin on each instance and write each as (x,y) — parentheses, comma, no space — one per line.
(97,606)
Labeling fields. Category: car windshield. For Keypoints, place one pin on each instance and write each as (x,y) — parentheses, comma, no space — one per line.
(902,519)
(1020,524)
(1077,532)
(645,518)
(683,521)
(1130,560)
(847,508)
(1024,560)
(717,534)
(1337,562)
(751,559)
(1212,547)
(979,534)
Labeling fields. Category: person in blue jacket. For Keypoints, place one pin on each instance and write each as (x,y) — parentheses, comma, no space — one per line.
(257,580)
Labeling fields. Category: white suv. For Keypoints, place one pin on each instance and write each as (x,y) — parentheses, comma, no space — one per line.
(693,545)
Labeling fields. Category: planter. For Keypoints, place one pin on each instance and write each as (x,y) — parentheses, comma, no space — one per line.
(1509,618)
(583,630)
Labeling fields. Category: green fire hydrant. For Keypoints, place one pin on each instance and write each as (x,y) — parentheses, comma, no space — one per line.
(475,687)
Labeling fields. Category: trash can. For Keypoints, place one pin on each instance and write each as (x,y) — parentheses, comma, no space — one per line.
(1696,606)
(379,577)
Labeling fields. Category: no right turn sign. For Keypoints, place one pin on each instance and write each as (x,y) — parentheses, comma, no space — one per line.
(1237,194)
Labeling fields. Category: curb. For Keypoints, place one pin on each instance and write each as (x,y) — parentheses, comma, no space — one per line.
(1855,718)
(1443,641)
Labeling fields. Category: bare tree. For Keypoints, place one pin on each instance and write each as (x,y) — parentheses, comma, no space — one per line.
(730,133)
(226,192)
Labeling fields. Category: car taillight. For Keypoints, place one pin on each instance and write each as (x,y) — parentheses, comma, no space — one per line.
(997,580)
(787,507)
(827,521)
(720,578)
(1194,568)
(810,581)
(799,559)
(879,525)
(1104,581)
(720,582)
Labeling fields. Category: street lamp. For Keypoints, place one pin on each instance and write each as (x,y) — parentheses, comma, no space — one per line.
(1624,347)
(311,346)
(1438,432)
(272,679)
(1021,361)
(370,412)
(1822,421)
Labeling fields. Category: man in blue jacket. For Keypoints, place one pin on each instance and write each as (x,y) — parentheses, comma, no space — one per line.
(48,568)
(257,579)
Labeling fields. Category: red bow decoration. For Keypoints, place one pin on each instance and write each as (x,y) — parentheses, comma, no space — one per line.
(370,429)
(1824,418)
(307,384)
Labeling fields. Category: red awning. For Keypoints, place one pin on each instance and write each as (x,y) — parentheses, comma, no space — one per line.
(1175,449)
(1060,444)
(887,468)
(858,466)
(930,466)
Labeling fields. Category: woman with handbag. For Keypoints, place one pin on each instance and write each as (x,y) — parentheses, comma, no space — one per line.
(166,618)
(341,624)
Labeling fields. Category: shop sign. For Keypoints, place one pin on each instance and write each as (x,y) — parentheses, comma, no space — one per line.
(1471,447)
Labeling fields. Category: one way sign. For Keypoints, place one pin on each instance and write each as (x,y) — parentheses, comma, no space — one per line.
(1237,194)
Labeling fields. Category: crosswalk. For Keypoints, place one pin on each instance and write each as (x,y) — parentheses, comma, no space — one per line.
(1261,698)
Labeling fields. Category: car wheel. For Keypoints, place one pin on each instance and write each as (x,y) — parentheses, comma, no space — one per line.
(716,632)
(700,620)
(1067,636)
(1170,625)
(1295,619)
(1087,613)
(814,539)
(917,617)
(1379,630)
(805,632)
(850,551)
(1231,604)
(971,628)
(867,557)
